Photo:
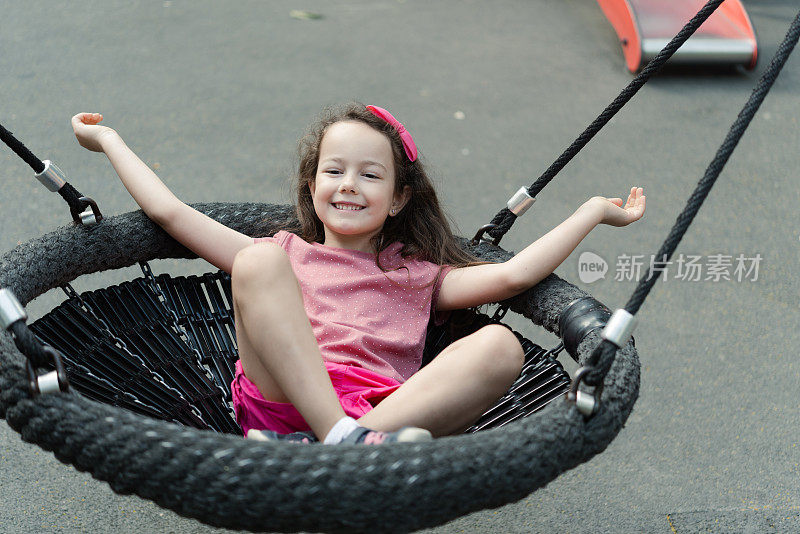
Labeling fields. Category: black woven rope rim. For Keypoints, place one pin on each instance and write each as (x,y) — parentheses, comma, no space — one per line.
(235,483)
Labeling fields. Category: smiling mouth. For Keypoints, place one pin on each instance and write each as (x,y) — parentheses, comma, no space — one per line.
(347,207)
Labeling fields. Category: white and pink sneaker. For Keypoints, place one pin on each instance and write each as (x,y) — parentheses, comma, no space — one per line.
(407,434)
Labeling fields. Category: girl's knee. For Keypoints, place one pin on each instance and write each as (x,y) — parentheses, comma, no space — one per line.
(505,348)
(260,260)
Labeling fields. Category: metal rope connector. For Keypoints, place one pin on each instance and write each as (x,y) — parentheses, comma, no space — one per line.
(586,403)
(52,177)
(11,313)
(11,310)
(619,328)
(478,239)
(520,202)
(52,382)
(91,215)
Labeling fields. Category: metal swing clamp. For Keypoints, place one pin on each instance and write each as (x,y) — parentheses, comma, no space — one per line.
(619,328)
(518,205)
(11,312)
(479,235)
(52,382)
(618,331)
(91,215)
(53,178)
(520,202)
(586,403)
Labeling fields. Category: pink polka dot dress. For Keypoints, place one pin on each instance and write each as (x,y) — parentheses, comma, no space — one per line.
(361,315)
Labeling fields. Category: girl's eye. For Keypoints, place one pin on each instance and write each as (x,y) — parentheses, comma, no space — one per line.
(333,171)
(372,176)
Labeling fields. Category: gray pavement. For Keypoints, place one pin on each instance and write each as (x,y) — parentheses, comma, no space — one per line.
(214,96)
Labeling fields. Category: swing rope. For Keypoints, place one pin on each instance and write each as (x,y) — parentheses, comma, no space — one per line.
(603,355)
(21,150)
(505,218)
(75,200)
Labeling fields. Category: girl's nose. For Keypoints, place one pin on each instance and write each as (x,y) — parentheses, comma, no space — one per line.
(348,183)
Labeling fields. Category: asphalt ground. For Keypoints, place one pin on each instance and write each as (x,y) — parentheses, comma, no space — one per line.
(214,95)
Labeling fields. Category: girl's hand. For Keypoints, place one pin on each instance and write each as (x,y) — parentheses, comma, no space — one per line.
(88,132)
(615,214)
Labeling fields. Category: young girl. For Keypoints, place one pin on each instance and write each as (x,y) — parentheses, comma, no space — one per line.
(331,323)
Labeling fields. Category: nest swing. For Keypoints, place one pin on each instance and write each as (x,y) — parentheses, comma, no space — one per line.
(227,481)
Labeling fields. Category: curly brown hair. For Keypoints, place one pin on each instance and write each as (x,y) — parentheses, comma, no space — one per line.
(421,226)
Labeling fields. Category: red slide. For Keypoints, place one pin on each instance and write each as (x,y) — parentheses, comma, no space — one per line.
(644,27)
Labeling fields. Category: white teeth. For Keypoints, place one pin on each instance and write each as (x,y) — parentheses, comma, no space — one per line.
(348,207)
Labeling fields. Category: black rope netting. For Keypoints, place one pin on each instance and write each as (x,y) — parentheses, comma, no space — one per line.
(165,346)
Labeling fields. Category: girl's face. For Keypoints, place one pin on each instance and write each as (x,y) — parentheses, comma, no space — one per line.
(354,188)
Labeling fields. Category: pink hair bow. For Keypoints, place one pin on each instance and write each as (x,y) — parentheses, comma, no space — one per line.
(408,141)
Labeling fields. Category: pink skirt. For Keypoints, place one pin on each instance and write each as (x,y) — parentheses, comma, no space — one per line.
(358,389)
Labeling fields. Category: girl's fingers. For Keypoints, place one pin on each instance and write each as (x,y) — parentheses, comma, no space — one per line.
(86,118)
(632,197)
(639,208)
(636,194)
(92,118)
(79,119)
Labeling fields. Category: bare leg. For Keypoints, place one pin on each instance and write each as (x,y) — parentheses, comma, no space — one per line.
(277,347)
(456,388)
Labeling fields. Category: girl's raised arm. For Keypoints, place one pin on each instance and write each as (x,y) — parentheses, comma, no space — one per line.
(212,241)
(481,284)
